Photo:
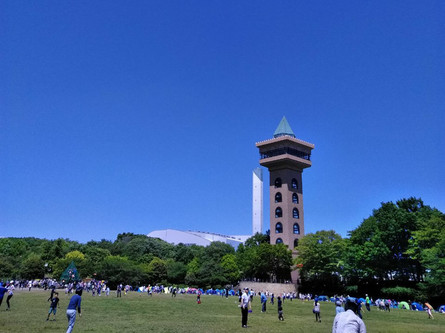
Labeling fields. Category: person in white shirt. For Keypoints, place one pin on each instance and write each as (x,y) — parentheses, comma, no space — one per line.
(348,321)
(244,307)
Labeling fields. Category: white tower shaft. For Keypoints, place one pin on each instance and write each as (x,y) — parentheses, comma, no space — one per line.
(257,201)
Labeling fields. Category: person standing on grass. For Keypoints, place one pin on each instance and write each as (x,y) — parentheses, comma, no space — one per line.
(71,310)
(263,302)
(53,306)
(119,290)
(244,307)
(280,309)
(10,294)
(316,310)
(3,290)
(367,303)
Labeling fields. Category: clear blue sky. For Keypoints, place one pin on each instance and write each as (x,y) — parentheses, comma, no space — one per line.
(131,116)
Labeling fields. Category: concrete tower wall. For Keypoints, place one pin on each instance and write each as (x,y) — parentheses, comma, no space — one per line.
(257,201)
(287,206)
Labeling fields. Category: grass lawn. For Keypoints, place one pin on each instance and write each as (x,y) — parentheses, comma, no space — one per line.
(161,313)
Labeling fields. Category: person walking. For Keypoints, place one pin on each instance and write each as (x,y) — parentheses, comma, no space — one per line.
(71,310)
(428,310)
(244,307)
(316,310)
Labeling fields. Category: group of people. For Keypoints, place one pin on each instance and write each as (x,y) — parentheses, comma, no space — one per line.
(245,298)
(346,319)
(9,289)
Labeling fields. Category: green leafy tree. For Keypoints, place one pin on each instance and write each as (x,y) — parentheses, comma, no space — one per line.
(193,268)
(157,270)
(33,267)
(230,268)
(79,261)
(428,246)
(93,259)
(257,258)
(117,269)
(319,258)
(176,271)
(381,241)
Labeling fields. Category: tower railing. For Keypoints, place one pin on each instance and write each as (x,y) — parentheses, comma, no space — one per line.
(285,150)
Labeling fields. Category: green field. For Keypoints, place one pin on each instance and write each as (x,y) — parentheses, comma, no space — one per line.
(140,313)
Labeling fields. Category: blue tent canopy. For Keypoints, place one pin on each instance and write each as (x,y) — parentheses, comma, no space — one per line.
(418,306)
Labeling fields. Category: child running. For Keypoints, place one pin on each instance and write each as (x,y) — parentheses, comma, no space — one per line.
(53,306)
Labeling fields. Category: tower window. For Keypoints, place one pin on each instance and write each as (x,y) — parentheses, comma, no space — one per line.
(278,212)
(294,183)
(296,229)
(277,182)
(295,213)
(295,198)
(279,241)
(278,197)
(295,242)
(278,228)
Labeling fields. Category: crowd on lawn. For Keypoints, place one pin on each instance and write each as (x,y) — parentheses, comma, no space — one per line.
(348,309)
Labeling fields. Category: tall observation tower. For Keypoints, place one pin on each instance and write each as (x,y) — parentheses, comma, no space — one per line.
(286,156)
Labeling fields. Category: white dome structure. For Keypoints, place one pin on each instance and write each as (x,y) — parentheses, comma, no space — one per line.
(175,237)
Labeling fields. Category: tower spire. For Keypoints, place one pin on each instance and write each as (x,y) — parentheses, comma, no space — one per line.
(283,129)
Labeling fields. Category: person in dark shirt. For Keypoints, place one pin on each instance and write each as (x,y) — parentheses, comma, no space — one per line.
(54,305)
(71,310)
(280,309)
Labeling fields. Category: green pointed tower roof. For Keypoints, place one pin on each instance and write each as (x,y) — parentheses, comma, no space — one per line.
(283,129)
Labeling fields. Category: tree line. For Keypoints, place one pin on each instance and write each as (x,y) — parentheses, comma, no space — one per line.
(397,252)
(140,260)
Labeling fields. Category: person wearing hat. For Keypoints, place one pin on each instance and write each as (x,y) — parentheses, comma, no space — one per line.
(244,307)
(71,310)
(348,321)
